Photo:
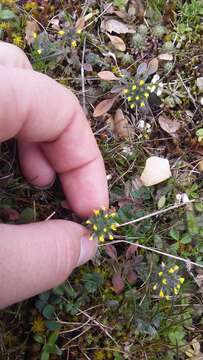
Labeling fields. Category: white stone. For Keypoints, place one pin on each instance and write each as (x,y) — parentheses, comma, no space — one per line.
(156,170)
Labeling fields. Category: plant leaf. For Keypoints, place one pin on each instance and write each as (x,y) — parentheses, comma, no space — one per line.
(117,42)
(6,14)
(131,251)
(104,106)
(118,283)
(132,277)
(111,251)
(122,128)
(107,75)
(142,69)
(111,25)
(168,125)
(30,29)
(152,66)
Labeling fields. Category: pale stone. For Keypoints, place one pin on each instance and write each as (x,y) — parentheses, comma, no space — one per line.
(156,170)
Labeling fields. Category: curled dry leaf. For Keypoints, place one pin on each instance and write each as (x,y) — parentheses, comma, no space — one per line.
(111,25)
(156,170)
(107,75)
(117,42)
(118,283)
(168,125)
(30,29)
(121,127)
(104,106)
(166,57)
(152,66)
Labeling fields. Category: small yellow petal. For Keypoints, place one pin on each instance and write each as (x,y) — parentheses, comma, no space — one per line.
(101,238)
(134,87)
(106,216)
(113,227)
(164,281)
(175,290)
(110,237)
(171,271)
(96,212)
(132,106)
(142,104)
(161,294)
(113,214)
(105,230)
(178,286)
(176,267)
(125,91)
(39,51)
(167,297)
(95,228)
(160,273)
(61,32)
(34,35)
(79,31)
(129,98)
(146,94)
(141,82)
(88,222)
(155,287)
(73,43)
(137,98)
(181,280)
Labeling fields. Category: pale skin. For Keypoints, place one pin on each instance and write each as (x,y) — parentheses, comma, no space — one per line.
(54,137)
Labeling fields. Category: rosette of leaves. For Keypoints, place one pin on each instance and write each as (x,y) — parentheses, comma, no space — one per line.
(102,224)
(136,89)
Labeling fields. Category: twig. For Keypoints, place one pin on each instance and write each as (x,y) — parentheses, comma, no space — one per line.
(187,261)
(83,76)
(188,91)
(97,18)
(159,212)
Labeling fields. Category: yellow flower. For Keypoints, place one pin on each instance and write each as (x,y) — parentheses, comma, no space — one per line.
(38,325)
(137,98)
(61,32)
(134,87)
(141,82)
(113,214)
(181,280)
(155,287)
(105,230)
(34,35)
(125,91)
(95,228)
(113,227)
(160,273)
(161,293)
(146,94)
(171,270)
(142,104)
(73,44)
(129,98)
(88,222)
(132,106)
(175,290)
(164,281)
(167,297)
(101,238)
(39,51)
(18,41)
(96,212)
(110,237)
(176,267)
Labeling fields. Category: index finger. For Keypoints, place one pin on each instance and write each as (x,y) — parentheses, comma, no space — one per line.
(35,108)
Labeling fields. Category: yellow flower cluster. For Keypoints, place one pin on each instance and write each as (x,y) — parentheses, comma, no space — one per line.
(138,93)
(18,40)
(102,224)
(169,282)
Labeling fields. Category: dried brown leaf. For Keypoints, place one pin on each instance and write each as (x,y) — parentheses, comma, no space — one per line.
(80,23)
(117,42)
(111,25)
(30,29)
(107,75)
(104,106)
(152,66)
(122,128)
(168,125)
(111,251)
(166,57)
(118,283)
(55,23)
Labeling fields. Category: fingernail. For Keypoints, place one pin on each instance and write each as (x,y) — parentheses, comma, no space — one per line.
(46,187)
(87,250)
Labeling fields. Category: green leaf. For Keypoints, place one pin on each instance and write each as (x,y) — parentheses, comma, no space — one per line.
(44,355)
(38,338)
(174,234)
(199,207)
(161,202)
(70,292)
(186,239)
(48,311)
(52,325)
(6,14)
(59,290)
(192,223)
(44,296)
(53,337)
(27,216)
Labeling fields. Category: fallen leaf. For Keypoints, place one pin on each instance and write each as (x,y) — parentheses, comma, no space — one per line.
(152,66)
(55,23)
(122,128)
(117,42)
(200,165)
(142,69)
(80,23)
(30,30)
(156,170)
(111,251)
(200,83)
(168,125)
(132,277)
(118,283)
(139,9)
(166,57)
(111,25)
(104,106)
(131,251)
(107,75)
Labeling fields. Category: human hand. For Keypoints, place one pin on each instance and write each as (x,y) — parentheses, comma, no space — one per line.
(53,137)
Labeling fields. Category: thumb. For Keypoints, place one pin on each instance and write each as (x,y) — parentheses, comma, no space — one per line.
(37,257)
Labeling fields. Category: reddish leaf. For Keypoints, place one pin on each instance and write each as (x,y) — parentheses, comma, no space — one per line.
(104,106)
(111,251)
(132,277)
(107,75)
(10,214)
(118,283)
(131,251)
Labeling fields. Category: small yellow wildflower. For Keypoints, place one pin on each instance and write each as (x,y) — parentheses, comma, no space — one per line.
(155,287)
(105,230)
(34,35)
(79,31)
(129,98)
(125,91)
(134,87)
(160,273)
(175,290)
(167,297)
(171,270)
(101,238)
(110,237)
(113,214)
(18,41)
(164,281)
(61,32)
(73,44)
(146,94)
(96,212)
(176,267)
(181,280)
(142,104)
(113,227)
(88,222)
(95,227)
(161,293)
(38,325)
(132,106)
(141,82)
(137,97)
(39,51)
